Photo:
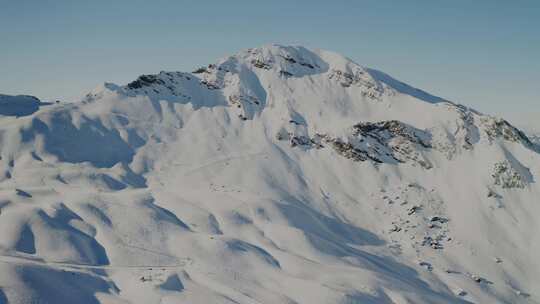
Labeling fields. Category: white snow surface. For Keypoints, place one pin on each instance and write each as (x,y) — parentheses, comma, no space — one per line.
(277,175)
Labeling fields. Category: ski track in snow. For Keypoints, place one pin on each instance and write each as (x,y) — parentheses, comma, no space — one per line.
(24,261)
(213,162)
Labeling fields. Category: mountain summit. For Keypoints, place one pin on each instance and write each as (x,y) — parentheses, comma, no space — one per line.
(277,175)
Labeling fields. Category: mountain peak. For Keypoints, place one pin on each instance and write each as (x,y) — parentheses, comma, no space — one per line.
(280,165)
(252,71)
(289,59)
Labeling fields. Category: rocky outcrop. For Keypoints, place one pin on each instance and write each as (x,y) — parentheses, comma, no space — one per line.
(358,78)
(498,128)
(391,142)
(466,127)
(163,84)
(144,81)
(507,176)
(386,142)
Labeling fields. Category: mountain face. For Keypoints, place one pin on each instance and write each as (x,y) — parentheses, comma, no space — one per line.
(277,175)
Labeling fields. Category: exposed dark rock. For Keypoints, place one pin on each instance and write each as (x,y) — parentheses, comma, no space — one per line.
(23,193)
(144,81)
(295,122)
(438,219)
(349,151)
(371,88)
(309,65)
(500,128)
(479,279)
(468,126)
(285,73)
(461,293)
(390,142)
(431,242)
(300,141)
(493,194)
(200,70)
(288,59)
(393,128)
(426,265)
(261,64)
(506,176)
(210,85)
(413,209)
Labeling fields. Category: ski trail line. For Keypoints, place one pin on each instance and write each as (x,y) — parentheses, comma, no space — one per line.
(15,260)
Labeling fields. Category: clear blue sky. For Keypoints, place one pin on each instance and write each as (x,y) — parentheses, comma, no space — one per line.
(482,53)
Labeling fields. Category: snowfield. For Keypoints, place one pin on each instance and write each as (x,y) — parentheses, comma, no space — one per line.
(277,175)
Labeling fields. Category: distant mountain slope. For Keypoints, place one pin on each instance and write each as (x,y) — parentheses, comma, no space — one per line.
(535,139)
(277,175)
(21,105)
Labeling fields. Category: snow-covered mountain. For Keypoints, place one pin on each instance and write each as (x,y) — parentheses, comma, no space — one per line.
(277,175)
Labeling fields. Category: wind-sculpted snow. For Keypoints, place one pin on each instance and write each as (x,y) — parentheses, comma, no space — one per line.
(80,139)
(403,88)
(276,175)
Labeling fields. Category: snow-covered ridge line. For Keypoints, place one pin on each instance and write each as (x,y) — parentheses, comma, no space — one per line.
(226,79)
(285,61)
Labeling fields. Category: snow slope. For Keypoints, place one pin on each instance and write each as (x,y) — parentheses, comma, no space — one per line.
(276,175)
